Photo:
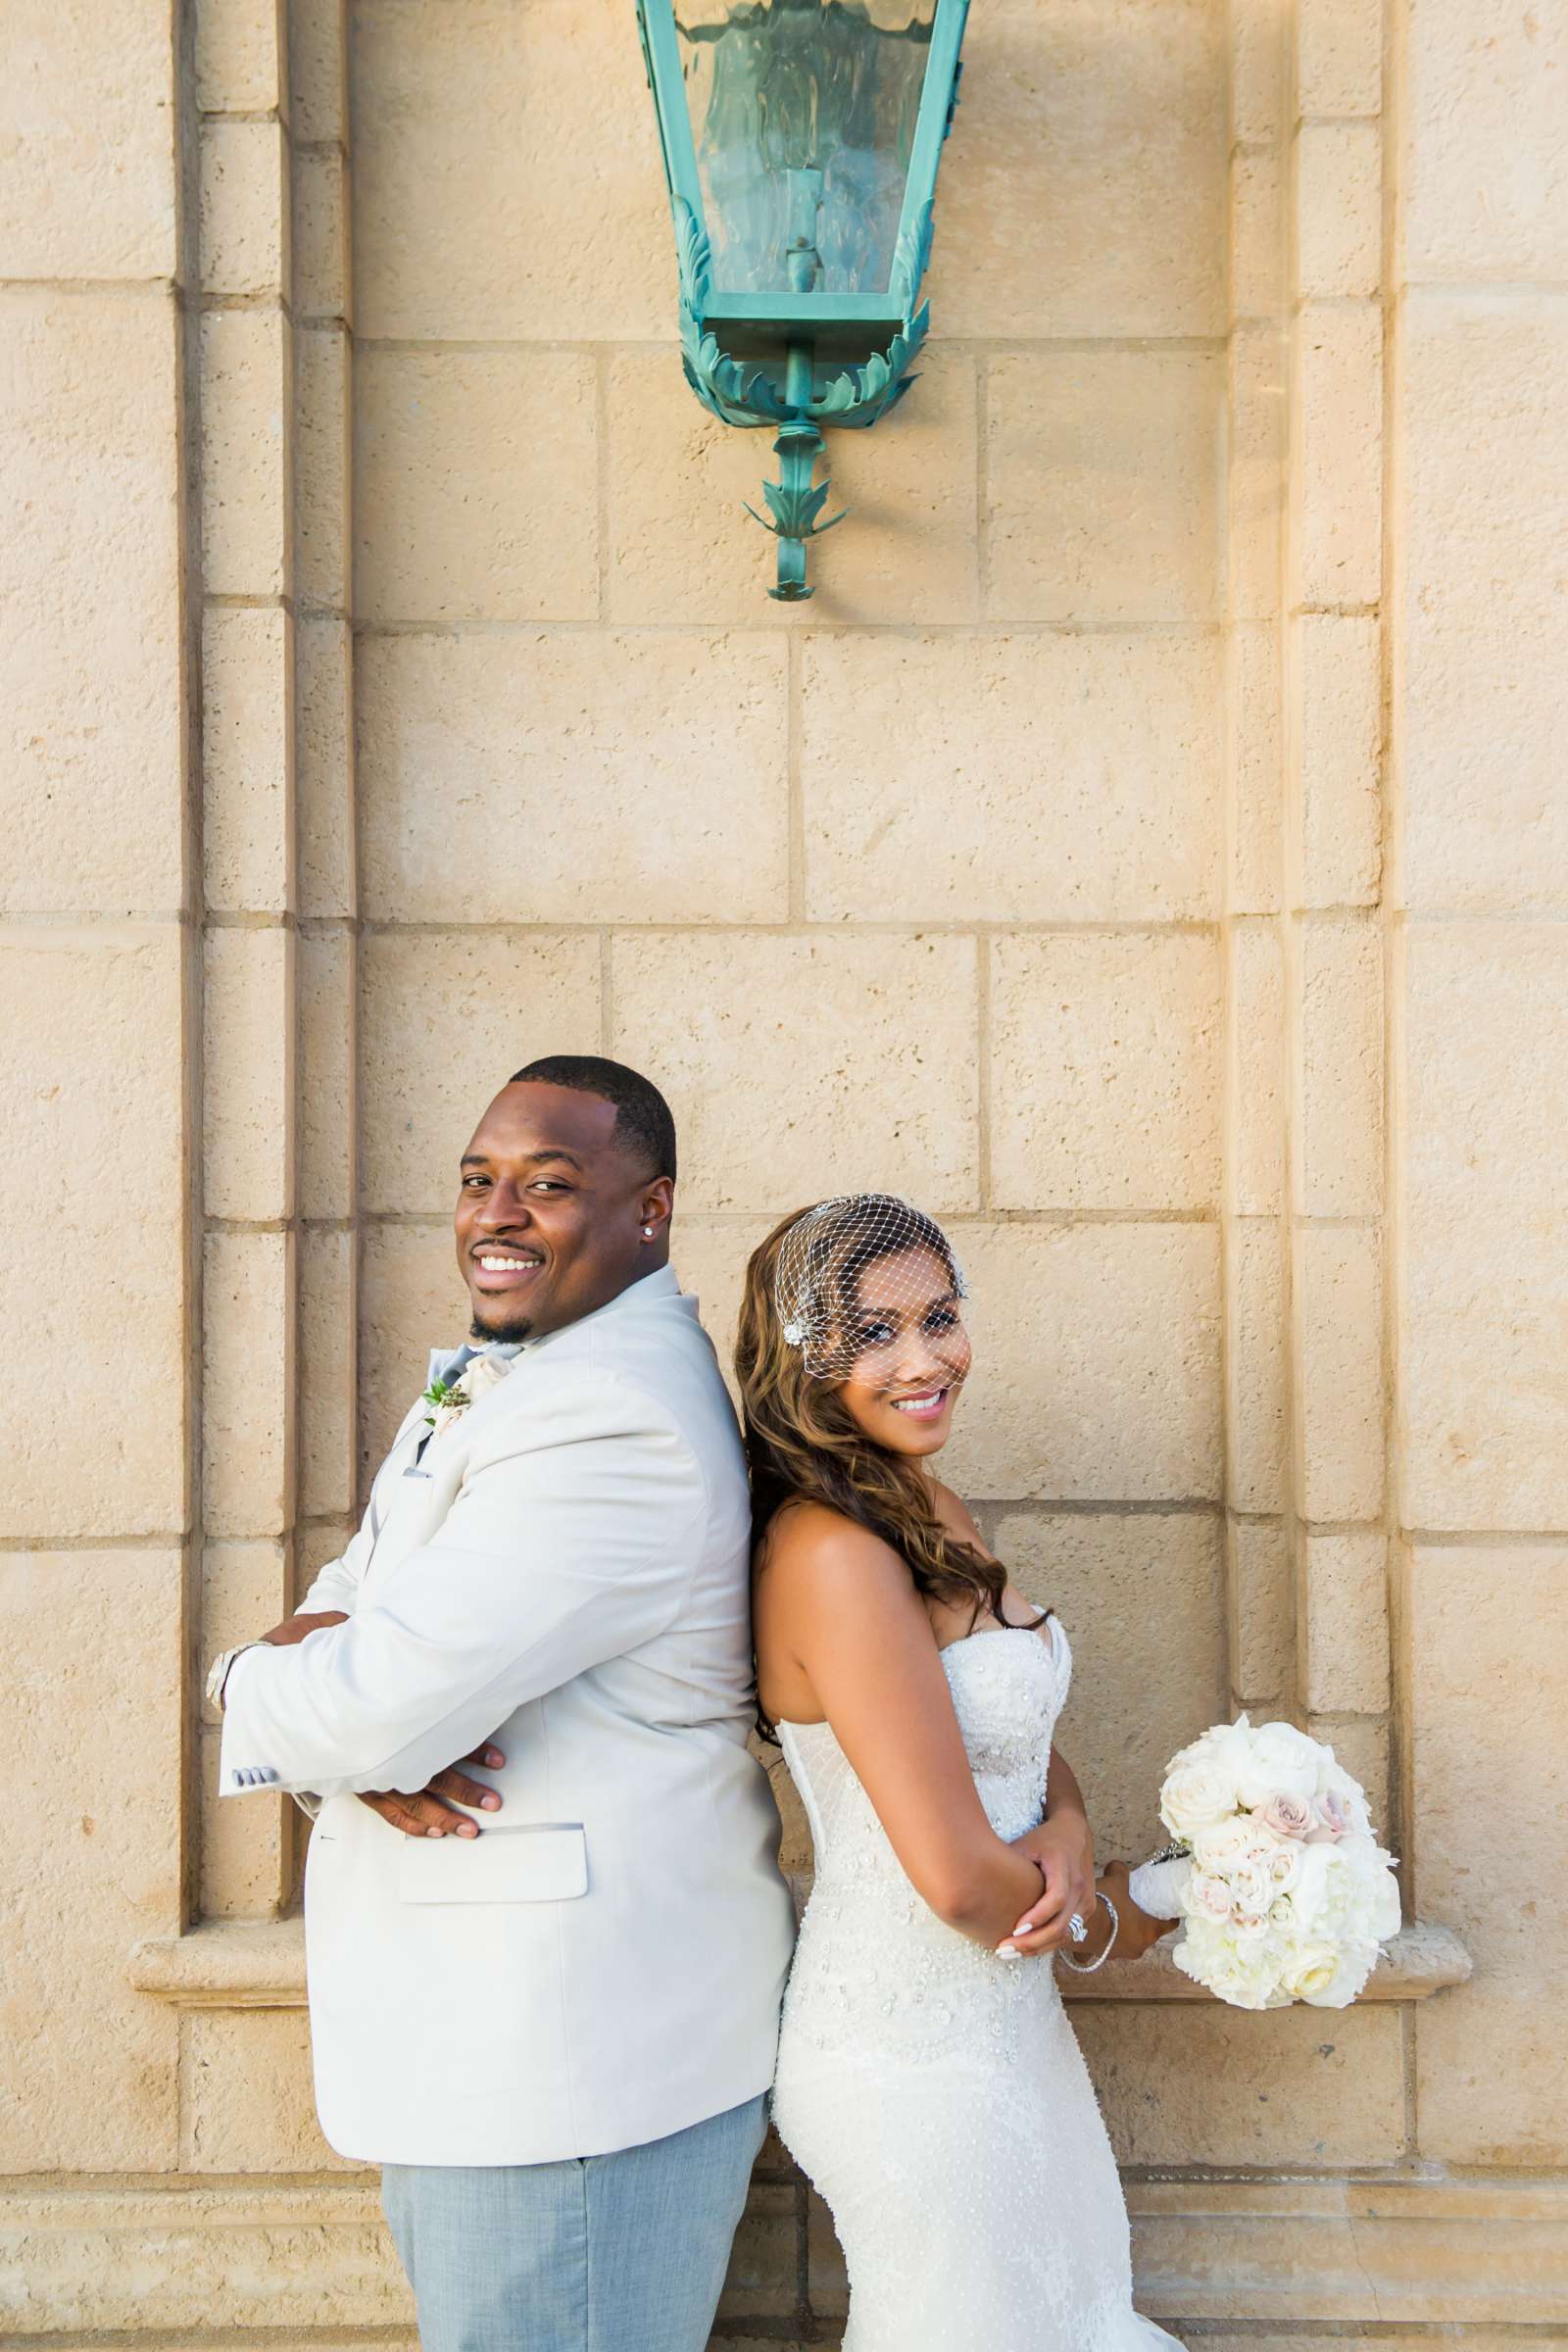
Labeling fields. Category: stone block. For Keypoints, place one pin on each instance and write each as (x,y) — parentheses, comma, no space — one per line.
(1143,1595)
(244,209)
(248,1382)
(1484,624)
(1257,234)
(498,783)
(798,1067)
(248,761)
(1339,1372)
(1339,56)
(1338,1162)
(1338,209)
(1483,170)
(1336,460)
(681,548)
(248,1073)
(92,1074)
(323,286)
(1262,1605)
(91,685)
(245,2093)
(1253,764)
(1035,780)
(1336,687)
(1033,174)
(1485,1279)
(1100,503)
(476,485)
(246,1863)
(316,1541)
(92,1640)
(1106,1075)
(239,57)
(411,1300)
(88,127)
(1488,1652)
(318,72)
(1346,1622)
(1260,43)
(323,427)
(327,1369)
(309,2260)
(329,1061)
(764,2263)
(1254,1017)
(1257,409)
(245,1590)
(1308,2089)
(324,653)
(1256,1366)
(531,138)
(1097,1364)
(445,1019)
(709,1255)
(247,402)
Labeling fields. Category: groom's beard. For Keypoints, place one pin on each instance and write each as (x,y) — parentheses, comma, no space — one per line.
(482,1329)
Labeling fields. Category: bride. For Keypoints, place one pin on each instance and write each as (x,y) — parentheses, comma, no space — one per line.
(928,2081)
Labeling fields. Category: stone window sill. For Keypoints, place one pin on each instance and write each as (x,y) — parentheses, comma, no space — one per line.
(242,1964)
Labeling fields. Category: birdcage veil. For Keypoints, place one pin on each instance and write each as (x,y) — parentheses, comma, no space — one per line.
(821,1260)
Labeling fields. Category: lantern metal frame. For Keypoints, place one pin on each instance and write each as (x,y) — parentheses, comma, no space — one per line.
(798,399)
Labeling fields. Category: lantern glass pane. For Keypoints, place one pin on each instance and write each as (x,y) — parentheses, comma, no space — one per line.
(803,115)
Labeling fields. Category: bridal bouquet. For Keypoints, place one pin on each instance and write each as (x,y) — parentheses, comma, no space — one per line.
(1283,1891)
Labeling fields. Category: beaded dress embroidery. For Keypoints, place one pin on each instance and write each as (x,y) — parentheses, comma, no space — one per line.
(935,2093)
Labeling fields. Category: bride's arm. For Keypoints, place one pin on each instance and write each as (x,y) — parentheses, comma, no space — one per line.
(836,1610)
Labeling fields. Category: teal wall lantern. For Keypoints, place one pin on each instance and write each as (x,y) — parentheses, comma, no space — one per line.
(801,142)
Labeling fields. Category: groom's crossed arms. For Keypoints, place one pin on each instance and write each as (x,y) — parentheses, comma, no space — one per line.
(569,1542)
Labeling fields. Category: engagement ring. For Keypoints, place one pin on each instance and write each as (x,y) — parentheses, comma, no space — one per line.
(1076,1928)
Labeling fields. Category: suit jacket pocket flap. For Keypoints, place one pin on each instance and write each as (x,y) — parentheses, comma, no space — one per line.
(544,1863)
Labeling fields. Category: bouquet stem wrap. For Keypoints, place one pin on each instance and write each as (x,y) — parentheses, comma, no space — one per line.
(1156,1887)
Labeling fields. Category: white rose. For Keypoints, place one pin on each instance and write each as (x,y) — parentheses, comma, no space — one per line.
(1322,1893)
(483,1373)
(1353,1966)
(1309,1971)
(1226,1845)
(1207,1896)
(1194,1797)
(1279,1760)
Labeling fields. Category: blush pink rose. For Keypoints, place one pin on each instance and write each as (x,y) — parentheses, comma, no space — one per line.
(1285,1815)
(1330,1821)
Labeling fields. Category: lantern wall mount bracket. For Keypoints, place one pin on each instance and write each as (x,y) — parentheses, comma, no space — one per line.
(751,396)
(833,358)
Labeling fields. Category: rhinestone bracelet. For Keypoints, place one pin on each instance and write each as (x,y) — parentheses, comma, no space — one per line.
(1087,1968)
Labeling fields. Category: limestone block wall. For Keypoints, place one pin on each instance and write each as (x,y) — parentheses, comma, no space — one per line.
(1146,850)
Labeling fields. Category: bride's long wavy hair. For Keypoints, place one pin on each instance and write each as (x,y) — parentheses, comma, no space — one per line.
(803,1443)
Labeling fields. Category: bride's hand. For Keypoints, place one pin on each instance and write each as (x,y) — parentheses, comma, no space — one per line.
(1062,1848)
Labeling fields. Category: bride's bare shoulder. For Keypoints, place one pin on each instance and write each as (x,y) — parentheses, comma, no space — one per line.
(811,1546)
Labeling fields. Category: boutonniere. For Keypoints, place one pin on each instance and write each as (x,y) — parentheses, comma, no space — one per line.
(448,1399)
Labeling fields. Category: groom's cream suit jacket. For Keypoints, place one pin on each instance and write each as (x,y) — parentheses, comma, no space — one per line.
(564,1567)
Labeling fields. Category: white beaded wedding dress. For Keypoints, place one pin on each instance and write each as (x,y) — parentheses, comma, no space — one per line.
(933,2092)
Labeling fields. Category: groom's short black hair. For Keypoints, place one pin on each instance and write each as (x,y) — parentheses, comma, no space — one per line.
(643,1121)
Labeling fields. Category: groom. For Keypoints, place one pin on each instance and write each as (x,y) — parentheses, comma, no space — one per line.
(544,1987)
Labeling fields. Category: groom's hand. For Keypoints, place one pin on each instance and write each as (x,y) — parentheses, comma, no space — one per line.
(432,1813)
(295,1629)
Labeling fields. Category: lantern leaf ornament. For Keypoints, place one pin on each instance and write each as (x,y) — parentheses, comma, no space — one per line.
(801,140)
